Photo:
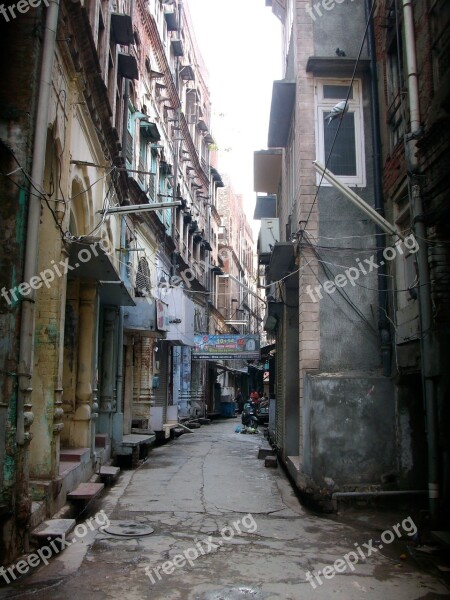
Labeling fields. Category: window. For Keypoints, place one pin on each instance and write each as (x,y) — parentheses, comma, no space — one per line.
(347,160)
(143,279)
(394,87)
(440,22)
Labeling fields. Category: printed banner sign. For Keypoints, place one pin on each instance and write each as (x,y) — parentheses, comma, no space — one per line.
(226,347)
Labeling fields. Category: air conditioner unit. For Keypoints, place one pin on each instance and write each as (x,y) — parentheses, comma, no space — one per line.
(269,234)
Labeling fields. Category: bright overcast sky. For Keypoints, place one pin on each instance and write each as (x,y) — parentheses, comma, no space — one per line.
(240,44)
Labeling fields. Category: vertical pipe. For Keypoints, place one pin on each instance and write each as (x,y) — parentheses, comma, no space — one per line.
(424,288)
(24,406)
(383,323)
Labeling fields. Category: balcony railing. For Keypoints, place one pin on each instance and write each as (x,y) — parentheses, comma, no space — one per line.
(141,168)
(151,187)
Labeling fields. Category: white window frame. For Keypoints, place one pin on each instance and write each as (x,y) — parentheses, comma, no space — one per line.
(323,106)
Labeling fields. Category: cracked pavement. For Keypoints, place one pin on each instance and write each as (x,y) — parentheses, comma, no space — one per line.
(188,491)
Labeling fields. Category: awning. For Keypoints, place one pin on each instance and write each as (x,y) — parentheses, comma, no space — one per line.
(267,170)
(283,101)
(150,131)
(336,66)
(88,260)
(217,177)
(266,207)
(187,73)
(177,47)
(122,29)
(127,66)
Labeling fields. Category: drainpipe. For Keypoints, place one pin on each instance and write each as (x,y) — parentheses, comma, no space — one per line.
(122,266)
(119,374)
(383,323)
(26,353)
(429,368)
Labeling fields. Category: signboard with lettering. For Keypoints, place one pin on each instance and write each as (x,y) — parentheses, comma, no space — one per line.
(226,347)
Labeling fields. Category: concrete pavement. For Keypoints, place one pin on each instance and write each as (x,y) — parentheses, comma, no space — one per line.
(225,528)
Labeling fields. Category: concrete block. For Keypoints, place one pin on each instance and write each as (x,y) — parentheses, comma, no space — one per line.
(263,452)
(86,491)
(271,462)
(53,528)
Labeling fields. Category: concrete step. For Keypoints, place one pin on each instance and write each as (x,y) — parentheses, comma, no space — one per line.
(86,491)
(442,537)
(53,528)
(177,431)
(66,466)
(81,455)
(263,452)
(271,462)
(193,425)
(107,474)
(203,421)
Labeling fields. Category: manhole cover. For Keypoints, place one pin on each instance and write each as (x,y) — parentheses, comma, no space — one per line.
(127,528)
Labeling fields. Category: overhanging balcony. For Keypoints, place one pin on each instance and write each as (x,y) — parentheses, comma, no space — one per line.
(283,101)
(171,18)
(267,171)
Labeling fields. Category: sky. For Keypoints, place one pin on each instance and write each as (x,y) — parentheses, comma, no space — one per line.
(240,41)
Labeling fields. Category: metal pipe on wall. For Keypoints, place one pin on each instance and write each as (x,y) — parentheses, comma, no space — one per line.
(27,326)
(383,323)
(429,369)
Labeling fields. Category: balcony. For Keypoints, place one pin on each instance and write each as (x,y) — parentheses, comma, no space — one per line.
(127,66)
(122,29)
(171,18)
(142,317)
(187,73)
(177,47)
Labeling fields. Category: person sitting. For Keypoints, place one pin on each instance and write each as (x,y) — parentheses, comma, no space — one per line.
(239,399)
(254,397)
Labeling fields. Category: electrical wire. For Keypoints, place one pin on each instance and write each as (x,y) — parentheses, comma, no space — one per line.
(341,120)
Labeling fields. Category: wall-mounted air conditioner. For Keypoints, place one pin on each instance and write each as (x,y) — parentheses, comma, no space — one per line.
(269,234)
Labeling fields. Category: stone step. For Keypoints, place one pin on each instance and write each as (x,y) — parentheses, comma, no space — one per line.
(263,452)
(204,421)
(193,425)
(109,473)
(81,455)
(66,466)
(442,537)
(86,491)
(271,462)
(53,528)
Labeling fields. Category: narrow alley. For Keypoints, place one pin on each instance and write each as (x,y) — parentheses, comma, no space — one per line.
(224,527)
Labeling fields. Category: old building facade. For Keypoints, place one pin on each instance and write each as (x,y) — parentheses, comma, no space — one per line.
(106,111)
(356,346)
